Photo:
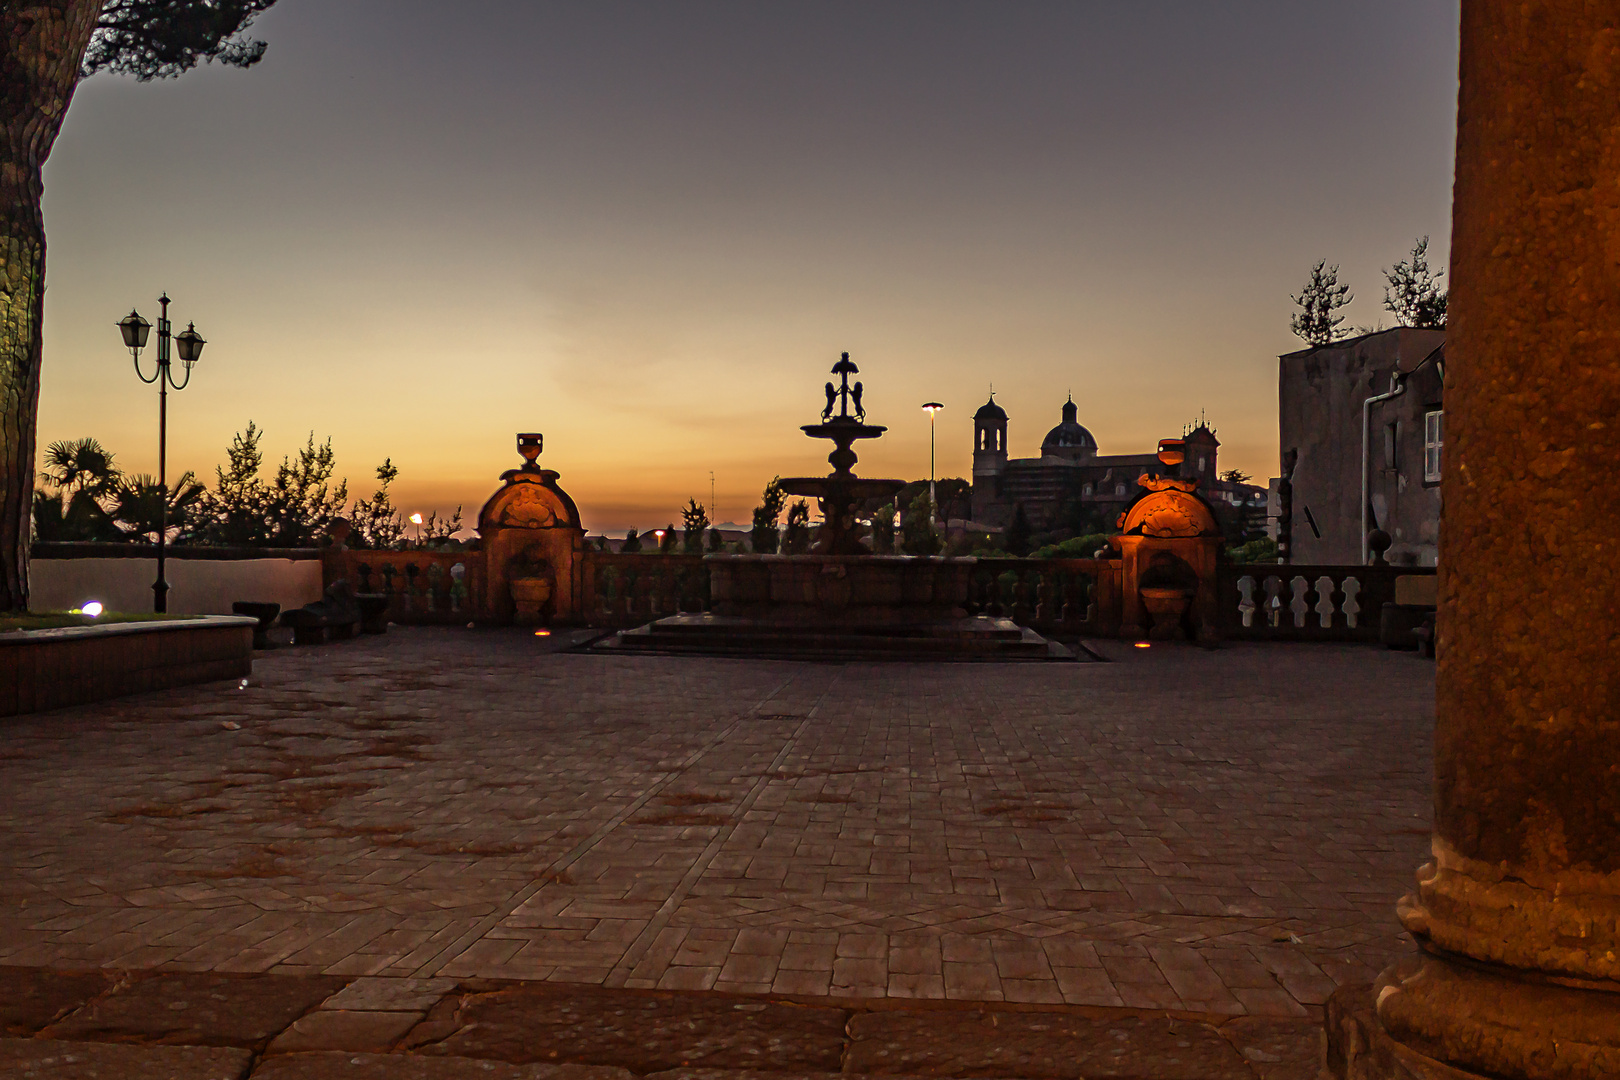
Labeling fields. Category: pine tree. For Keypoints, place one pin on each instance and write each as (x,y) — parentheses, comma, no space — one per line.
(1413,293)
(764,535)
(694,519)
(1321,297)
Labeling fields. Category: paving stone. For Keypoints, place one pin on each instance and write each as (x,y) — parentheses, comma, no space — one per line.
(377,992)
(31,998)
(340,1066)
(1040,1045)
(644,1031)
(50,1059)
(1237,823)
(345,1029)
(1279,1049)
(198,1008)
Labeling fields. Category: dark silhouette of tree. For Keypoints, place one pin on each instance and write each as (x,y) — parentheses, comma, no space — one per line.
(1235,476)
(46,47)
(1321,297)
(1019,533)
(763,537)
(296,507)
(694,520)
(84,477)
(917,533)
(1413,293)
(796,537)
(632,543)
(138,507)
(377,523)
(666,543)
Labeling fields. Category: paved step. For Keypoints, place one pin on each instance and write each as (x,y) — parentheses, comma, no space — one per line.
(200,1026)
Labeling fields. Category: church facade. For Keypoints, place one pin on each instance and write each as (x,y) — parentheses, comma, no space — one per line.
(1070,474)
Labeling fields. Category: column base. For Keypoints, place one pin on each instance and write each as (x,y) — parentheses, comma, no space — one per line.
(1430,1018)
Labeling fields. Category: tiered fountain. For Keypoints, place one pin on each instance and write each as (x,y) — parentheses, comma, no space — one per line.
(840,600)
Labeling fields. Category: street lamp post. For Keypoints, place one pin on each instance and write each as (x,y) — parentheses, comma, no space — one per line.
(188,344)
(931,407)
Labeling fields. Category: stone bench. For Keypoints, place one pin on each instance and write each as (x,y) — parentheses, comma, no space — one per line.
(335,616)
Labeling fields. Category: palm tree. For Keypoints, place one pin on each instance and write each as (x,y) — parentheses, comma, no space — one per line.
(84,476)
(80,466)
(138,506)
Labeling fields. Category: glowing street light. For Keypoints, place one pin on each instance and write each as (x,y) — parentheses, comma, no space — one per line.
(931,407)
(188,343)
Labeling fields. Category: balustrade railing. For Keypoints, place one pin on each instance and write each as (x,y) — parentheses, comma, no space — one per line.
(422,586)
(1295,602)
(1078,596)
(629,590)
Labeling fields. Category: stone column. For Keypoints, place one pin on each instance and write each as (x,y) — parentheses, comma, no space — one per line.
(1518,916)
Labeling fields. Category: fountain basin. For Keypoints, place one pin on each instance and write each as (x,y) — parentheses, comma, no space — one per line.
(839,590)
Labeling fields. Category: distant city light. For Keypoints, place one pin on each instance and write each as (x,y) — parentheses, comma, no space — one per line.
(92,609)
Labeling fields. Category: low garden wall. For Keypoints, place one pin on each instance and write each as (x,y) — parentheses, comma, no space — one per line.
(51,669)
(202,581)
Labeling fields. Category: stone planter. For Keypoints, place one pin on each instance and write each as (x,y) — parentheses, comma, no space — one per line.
(50,669)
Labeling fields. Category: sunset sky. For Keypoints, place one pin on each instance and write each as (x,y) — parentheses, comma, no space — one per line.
(648,229)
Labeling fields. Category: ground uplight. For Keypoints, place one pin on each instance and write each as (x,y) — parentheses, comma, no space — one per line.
(542,633)
(92,609)
(1144,645)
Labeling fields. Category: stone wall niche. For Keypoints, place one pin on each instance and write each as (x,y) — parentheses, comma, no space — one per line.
(1168,548)
(532,544)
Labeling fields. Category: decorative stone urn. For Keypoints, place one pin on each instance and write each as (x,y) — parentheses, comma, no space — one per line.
(530,596)
(1165,606)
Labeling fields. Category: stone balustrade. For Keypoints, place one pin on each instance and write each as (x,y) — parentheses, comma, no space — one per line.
(1078,596)
(422,586)
(1298,602)
(629,590)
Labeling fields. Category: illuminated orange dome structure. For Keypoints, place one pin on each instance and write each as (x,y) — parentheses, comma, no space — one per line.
(532,542)
(1168,546)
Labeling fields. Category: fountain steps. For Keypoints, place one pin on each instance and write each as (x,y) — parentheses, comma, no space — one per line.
(972,638)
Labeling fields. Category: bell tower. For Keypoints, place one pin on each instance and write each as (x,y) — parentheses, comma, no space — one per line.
(989,460)
(989,439)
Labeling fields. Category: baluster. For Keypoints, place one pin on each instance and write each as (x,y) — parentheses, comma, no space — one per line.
(436,588)
(1274,588)
(1021,592)
(1069,596)
(993,603)
(1246,605)
(458,588)
(1044,608)
(1352,605)
(1324,605)
(1298,607)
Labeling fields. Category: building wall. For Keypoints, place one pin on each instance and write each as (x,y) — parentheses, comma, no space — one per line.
(1320,394)
(196,586)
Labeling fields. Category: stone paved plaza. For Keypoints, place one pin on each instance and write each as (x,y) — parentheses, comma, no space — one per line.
(1222,832)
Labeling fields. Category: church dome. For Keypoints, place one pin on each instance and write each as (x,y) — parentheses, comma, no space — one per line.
(1068,439)
(990,411)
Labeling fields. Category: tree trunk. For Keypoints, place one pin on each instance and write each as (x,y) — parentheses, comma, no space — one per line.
(42,44)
